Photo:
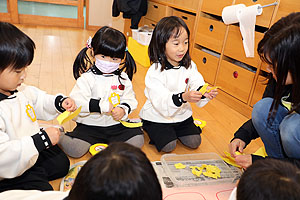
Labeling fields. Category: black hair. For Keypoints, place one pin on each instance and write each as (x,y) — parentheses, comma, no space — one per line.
(108,42)
(280,49)
(16,48)
(269,179)
(119,172)
(163,31)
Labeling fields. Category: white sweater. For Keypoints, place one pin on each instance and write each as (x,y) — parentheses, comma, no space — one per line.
(100,87)
(17,149)
(160,88)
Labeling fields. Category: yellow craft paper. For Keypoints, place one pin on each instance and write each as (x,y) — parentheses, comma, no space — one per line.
(179,166)
(67,116)
(204,88)
(131,124)
(261,152)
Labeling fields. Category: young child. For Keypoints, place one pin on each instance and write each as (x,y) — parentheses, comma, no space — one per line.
(275,118)
(99,121)
(268,179)
(172,83)
(29,156)
(119,172)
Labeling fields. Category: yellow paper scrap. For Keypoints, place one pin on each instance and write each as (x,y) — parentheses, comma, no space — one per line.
(211,171)
(200,123)
(131,124)
(203,88)
(261,152)
(67,116)
(179,166)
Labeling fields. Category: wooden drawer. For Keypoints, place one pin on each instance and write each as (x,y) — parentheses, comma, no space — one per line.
(187,18)
(191,5)
(259,89)
(210,33)
(238,86)
(207,64)
(149,23)
(215,6)
(234,46)
(156,11)
(286,7)
(265,18)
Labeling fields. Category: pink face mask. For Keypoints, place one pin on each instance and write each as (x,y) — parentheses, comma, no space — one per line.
(106,66)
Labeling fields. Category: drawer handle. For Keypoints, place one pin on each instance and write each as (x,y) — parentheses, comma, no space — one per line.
(235,74)
(155,6)
(153,25)
(254,1)
(184,17)
(211,28)
(204,60)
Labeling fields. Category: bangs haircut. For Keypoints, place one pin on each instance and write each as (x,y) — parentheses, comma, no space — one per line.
(16,48)
(109,42)
(166,28)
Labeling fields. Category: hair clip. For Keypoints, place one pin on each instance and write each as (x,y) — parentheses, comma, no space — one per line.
(89,43)
(126,49)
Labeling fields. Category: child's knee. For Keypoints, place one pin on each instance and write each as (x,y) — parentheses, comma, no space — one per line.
(169,147)
(137,141)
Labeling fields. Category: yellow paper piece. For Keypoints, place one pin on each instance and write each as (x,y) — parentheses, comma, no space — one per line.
(261,152)
(230,160)
(179,166)
(131,124)
(200,123)
(67,116)
(114,99)
(211,171)
(204,88)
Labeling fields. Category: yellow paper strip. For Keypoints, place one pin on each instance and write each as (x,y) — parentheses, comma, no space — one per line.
(67,116)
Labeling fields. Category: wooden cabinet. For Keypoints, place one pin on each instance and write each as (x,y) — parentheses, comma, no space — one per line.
(210,33)
(207,63)
(235,80)
(234,47)
(242,79)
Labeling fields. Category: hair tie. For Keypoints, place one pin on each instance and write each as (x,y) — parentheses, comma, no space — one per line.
(89,43)
(126,49)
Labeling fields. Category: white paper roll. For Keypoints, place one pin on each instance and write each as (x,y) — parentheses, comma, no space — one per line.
(229,13)
(247,20)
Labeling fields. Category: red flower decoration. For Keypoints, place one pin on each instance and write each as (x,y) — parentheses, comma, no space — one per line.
(114,87)
(121,87)
(186,80)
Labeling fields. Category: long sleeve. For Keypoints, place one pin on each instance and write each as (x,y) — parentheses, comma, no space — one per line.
(16,155)
(246,132)
(82,93)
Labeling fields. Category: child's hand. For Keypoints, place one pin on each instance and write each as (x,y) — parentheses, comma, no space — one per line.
(192,96)
(236,145)
(117,113)
(243,160)
(69,104)
(53,134)
(212,94)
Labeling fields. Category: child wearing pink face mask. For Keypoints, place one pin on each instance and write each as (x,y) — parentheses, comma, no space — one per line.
(98,78)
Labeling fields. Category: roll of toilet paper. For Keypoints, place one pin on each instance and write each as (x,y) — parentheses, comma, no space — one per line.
(247,20)
(229,13)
